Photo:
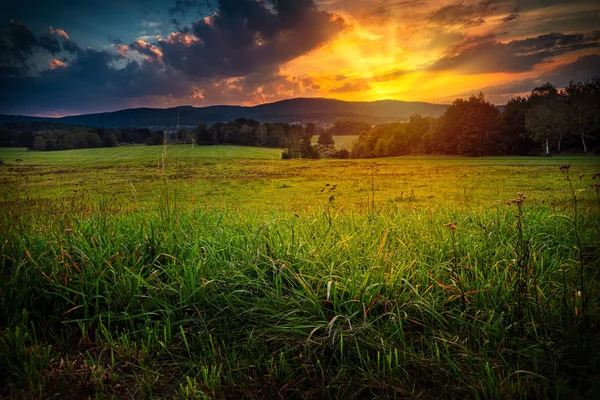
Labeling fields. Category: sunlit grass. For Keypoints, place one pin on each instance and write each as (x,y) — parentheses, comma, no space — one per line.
(230,177)
(265,278)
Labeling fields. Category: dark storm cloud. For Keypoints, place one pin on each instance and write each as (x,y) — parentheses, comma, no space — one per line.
(247,39)
(490,55)
(90,80)
(18,45)
(246,36)
(50,42)
(244,39)
(465,14)
(513,16)
(582,69)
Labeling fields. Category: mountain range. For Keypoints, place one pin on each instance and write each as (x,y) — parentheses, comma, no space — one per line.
(299,110)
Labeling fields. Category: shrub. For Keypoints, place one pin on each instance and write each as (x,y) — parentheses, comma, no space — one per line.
(155,140)
(344,154)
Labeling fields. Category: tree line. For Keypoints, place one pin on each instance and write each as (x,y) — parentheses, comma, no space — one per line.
(549,120)
(49,136)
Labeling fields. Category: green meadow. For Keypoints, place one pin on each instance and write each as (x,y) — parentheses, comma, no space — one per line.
(226,272)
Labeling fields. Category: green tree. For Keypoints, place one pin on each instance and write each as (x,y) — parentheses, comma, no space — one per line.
(469,127)
(204,136)
(311,128)
(514,136)
(347,127)
(543,125)
(325,138)
(583,108)
(306,148)
(545,120)
(38,144)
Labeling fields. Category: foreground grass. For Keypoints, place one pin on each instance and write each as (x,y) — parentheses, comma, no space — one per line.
(380,298)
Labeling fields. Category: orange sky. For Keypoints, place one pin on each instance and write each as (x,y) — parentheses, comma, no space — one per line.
(387,57)
(247,52)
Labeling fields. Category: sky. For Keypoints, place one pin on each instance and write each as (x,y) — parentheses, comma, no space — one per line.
(66,57)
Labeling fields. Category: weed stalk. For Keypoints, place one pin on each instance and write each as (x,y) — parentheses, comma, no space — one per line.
(565,170)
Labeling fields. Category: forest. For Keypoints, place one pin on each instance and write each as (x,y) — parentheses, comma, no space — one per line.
(547,121)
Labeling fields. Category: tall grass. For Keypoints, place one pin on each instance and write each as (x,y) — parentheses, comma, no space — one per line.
(330,304)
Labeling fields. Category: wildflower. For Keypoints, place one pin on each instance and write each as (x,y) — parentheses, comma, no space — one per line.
(451,226)
(519,200)
(565,168)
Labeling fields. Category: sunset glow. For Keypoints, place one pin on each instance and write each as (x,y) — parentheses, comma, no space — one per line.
(249,52)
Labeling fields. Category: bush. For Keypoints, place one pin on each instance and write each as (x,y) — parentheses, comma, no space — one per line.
(155,140)
(344,154)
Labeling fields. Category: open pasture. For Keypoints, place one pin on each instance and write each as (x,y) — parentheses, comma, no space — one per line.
(248,178)
(230,273)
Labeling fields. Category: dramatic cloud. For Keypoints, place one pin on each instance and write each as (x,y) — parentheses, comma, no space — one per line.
(18,44)
(513,16)
(582,69)
(349,87)
(490,55)
(89,81)
(245,36)
(54,64)
(69,56)
(232,56)
(146,49)
(465,14)
(579,70)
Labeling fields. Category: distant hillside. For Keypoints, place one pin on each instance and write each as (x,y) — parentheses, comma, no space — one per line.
(294,110)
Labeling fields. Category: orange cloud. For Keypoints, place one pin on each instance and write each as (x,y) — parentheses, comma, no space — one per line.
(60,33)
(55,64)
(122,50)
(181,38)
(147,49)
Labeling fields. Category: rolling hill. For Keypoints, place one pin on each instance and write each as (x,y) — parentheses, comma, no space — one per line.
(302,110)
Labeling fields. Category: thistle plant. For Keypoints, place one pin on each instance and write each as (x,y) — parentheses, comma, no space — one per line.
(565,170)
(454,265)
(596,186)
(521,261)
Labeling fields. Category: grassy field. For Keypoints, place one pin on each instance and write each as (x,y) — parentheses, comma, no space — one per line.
(230,273)
(239,178)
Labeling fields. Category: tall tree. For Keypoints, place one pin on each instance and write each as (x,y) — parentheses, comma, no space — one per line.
(306,148)
(325,138)
(469,127)
(545,120)
(514,136)
(583,107)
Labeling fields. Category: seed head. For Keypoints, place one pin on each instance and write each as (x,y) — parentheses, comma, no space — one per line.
(565,168)
(519,200)
(451,226)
